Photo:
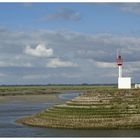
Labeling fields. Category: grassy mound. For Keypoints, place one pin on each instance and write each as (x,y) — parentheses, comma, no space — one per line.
(96,109)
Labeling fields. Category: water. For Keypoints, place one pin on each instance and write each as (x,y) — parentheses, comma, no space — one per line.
(15,107)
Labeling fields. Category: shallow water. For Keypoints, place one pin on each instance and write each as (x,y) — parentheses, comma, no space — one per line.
(15,107)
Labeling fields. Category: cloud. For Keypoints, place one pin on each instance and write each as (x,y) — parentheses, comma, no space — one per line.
(102,47)
(72,46)
(47,76)
(131,8)
(69,53)
(35,76)
(56,62)
(63,14)
(13,64)
(2,75)
(105,65)
(39,51)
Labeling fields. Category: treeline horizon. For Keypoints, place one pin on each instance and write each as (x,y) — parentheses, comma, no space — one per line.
(83,84)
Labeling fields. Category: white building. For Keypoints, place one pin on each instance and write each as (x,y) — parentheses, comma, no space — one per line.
(123,82)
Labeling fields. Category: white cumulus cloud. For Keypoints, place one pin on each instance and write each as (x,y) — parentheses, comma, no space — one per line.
(39,51)
(56,62)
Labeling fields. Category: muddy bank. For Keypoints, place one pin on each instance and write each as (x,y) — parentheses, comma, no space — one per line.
(99,109)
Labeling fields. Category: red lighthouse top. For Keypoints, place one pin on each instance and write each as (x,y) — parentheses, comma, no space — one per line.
(119,60)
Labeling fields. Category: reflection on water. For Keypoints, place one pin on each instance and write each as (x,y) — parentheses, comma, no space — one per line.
(14,107)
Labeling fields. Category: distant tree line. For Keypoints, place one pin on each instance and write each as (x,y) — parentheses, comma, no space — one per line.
(83,84)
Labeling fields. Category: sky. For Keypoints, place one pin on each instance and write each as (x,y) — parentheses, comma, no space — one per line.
(68,43)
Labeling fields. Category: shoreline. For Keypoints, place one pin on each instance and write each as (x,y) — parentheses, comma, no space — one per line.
(38,93)
(19,93)
(42,90)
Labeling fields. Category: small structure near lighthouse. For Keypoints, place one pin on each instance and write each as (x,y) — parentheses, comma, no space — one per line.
(123,82)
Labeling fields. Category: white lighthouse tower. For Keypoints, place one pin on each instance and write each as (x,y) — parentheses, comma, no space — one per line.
(123,82)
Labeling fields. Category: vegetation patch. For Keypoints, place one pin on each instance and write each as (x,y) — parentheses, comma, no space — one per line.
(95,109)
(48,89)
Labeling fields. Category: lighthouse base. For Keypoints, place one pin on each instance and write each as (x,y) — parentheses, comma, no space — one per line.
(124,83)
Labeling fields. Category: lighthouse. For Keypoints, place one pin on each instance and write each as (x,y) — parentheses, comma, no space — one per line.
(123,82)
